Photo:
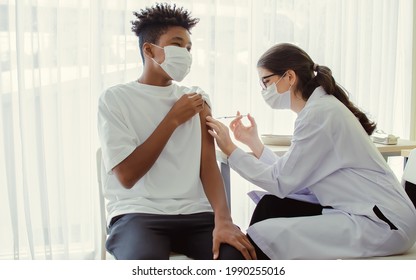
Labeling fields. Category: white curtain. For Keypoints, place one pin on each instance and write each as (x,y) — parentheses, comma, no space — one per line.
(56,57)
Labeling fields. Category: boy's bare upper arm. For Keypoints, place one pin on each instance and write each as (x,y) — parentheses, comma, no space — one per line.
(204,128)
(208,144)
(205,112)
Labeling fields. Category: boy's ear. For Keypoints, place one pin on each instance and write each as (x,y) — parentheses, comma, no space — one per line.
(147,50)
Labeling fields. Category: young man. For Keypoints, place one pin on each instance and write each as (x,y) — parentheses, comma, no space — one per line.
(164,189)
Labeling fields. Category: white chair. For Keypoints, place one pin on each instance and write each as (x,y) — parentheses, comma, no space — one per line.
(103,219)
(101,202)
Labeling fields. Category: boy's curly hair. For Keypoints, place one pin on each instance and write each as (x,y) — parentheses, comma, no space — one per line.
(153,22)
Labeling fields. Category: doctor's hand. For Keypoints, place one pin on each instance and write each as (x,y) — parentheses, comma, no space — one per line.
(222,135)
(247,134)
(227,232)
(187,106)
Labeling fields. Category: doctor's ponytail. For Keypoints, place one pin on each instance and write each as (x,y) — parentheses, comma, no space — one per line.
(325,79)
(282,57)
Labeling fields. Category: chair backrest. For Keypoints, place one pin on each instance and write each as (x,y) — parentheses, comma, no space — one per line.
(103,221)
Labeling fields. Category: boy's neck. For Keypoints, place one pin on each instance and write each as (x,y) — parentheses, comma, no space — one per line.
(154,79)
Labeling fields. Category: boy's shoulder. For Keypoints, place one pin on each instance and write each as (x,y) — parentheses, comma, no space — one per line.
(116,91)
(118,88)
(198,90)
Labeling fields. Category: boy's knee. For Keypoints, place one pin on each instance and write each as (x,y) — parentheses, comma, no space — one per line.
(228,252)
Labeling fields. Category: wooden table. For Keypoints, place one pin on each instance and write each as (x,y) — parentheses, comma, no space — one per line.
(406,153)
(396,150)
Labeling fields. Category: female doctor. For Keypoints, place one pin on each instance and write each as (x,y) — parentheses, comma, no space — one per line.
(332,195)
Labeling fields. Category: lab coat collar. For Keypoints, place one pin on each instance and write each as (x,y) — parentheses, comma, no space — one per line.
(316,94)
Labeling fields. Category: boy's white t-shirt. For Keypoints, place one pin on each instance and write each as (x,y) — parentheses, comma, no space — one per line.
(127,115)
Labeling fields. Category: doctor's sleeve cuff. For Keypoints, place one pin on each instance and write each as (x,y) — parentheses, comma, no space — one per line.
(249,167)
(268,156)
(255,171)
(236,155)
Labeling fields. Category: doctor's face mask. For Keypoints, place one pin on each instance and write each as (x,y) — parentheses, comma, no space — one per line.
(275,99)
(177,63)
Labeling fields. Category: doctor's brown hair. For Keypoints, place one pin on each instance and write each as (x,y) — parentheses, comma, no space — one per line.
(153,22)
(282,57)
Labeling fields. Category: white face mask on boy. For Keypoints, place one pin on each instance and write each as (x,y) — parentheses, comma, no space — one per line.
(275,99)
(177,62)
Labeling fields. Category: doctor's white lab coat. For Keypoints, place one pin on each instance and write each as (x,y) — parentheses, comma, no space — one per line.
(333,162)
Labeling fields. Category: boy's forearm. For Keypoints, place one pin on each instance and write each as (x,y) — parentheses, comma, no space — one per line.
(215,192)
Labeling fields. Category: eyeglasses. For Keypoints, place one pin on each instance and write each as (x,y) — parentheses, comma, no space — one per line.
(263,83)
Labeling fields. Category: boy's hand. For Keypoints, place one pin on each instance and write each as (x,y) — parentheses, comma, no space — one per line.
(185,108)
(227,232)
